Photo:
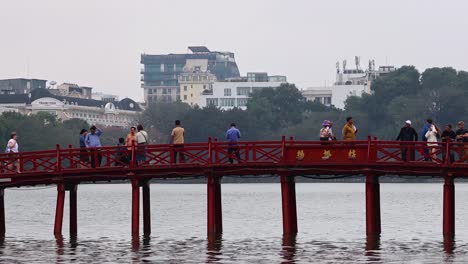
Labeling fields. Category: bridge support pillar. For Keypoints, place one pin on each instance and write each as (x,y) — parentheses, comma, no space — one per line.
(215,216)
(59,209)
(372,205)
(449,207)
(146,208)
(73,209)
(135,208)
(2,212)
(288,197)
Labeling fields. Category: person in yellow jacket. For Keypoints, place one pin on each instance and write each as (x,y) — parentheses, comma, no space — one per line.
(349,130)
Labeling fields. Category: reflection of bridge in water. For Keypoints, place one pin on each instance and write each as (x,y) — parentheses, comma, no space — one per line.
(286,158)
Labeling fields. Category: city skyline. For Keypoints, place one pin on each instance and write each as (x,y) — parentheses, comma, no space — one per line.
(99,44)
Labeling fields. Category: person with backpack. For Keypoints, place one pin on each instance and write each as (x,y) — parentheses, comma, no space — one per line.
(326,133)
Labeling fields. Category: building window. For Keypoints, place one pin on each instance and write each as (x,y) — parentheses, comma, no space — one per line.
(243,91)
(164,91)
(318,99)
(185,97)
(185,88)
(191,95)
(327,100)
(212,101)
(227,92)
(242,101)
(204,87)
(227,102)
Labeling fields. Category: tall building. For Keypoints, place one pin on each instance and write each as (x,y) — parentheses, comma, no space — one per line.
(21,85)
(160,75)
(194,81)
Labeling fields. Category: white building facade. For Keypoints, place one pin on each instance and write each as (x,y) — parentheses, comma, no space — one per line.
(230,94)
(349,82)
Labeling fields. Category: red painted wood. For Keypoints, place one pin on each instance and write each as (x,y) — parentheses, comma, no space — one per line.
(146,208)
(135,208)
(73,210)
(372,205)
(214,213)
(288,198)
(59,209)
(449,207)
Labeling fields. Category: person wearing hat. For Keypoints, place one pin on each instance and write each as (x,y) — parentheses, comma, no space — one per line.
(84,157)
(407,133)
(325,131)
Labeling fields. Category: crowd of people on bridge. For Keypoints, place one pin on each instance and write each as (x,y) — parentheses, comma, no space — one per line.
(430,133)
(138,138)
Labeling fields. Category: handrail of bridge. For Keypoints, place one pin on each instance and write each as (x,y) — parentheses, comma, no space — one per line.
(216,153)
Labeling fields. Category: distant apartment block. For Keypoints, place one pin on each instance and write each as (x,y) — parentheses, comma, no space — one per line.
(161,73)
(235,92)
(21,85)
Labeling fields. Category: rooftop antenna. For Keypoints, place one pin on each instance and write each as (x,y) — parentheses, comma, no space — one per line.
(337,67)
(357,61)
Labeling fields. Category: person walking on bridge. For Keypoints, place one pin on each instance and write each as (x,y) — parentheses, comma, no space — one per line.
(407,133)
(462,138)
(448,135)
(93,142)
(177,139)
(142,141)
(12,148)
(233,135)
(349,130)
(84,157)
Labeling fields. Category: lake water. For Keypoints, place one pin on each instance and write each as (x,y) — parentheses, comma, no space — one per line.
(331,221)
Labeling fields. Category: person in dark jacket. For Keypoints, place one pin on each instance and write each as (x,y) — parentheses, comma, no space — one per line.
(407,133)
(448,136)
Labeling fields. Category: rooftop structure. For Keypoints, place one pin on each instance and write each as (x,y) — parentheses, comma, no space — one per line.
(160,75)
(349,82)
(21,85)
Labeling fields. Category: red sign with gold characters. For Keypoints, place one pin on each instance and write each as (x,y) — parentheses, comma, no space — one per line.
(326,154)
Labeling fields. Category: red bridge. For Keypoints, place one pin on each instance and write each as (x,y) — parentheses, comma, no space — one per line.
(286,158)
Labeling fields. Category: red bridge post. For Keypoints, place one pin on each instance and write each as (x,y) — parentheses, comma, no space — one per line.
(59,209)
(146,208)
(288,197)
(372,205)
(449,207)
(135,207)
(215,216)
(2,212)
(73,209)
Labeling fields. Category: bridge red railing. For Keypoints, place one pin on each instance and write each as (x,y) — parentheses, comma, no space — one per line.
(215,153)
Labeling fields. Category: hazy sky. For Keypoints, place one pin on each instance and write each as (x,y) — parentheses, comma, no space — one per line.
(98,42)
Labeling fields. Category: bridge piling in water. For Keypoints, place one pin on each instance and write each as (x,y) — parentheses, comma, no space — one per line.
(373,228)
(2,212)
(449,207)
(288,198)
(135,207)
(72,189)
(146,208)
(214,210)
(59,209)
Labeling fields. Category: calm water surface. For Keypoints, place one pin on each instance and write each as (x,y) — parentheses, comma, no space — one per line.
(331,221)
